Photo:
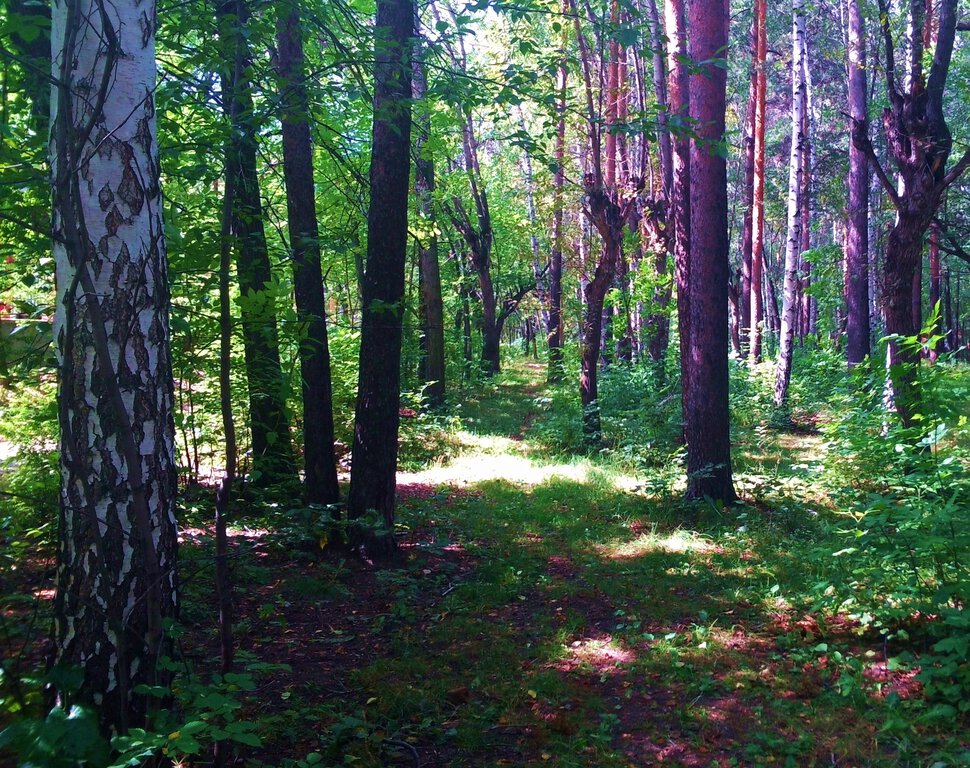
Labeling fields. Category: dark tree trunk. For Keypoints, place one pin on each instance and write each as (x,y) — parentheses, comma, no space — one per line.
(857,232)
(320,462)
(432,368)
(268,419)
(116,573)
(706,366)
(374,469)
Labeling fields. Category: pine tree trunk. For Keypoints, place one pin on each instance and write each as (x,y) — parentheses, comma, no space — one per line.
(374,468)
(116,576)
(756,306)
(789,312)
(857,234)
(320,462)
(706,366)
(269,422)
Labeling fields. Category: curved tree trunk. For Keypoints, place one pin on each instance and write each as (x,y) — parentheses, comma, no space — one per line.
(116,578)
(320,462)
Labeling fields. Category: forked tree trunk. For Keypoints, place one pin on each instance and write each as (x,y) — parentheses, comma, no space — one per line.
(706,366)
(268,419)
(374,468)
(919,141)
(319,460)
(116,575)
(796,167)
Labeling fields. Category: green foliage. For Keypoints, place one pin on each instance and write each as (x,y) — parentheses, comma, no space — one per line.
(206,712)
(906,522)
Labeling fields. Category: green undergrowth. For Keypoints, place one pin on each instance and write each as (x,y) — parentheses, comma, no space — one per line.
(589,617)
(556,606)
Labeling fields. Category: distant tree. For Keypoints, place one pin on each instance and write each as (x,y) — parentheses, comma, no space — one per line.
(705,369)
(116,576)
(268,419)
(679,218)
(431,309)
(796,188)
(554,323)
(374,467)
(756,317)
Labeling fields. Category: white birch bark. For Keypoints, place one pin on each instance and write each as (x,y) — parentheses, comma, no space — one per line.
(116,575)
(799,145)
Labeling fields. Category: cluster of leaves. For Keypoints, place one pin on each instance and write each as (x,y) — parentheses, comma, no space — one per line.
(905,516)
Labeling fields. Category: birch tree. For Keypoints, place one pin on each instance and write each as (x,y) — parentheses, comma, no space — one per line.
(796,187)
(116,577)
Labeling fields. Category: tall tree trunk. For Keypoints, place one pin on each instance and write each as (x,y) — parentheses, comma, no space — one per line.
(608,214)
(319,460)
(857,234)
(116,575)
(432,369)
(756,321)
(554,329)
(747,194)
(675,22)
(799,145)
(269,421)
(374,468)
(706,366)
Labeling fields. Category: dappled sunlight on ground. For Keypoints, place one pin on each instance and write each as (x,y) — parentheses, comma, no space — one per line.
(602,654)
(678,542)
(501,458)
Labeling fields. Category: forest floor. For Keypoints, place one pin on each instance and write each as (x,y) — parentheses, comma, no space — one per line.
(555,611)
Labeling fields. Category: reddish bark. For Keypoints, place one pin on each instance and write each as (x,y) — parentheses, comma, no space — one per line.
(706,365)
